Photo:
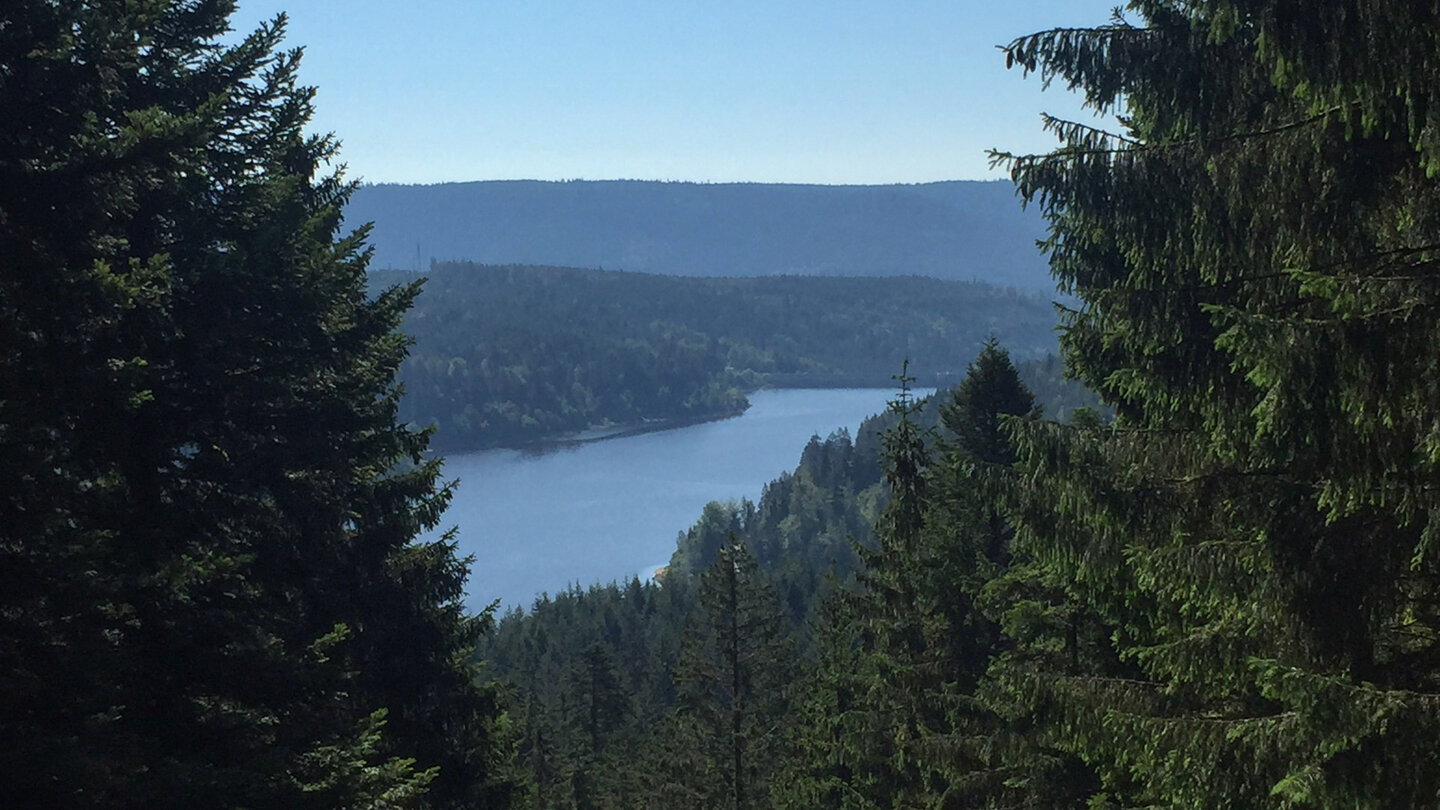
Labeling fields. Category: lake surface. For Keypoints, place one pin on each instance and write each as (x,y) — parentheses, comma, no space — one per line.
(609,510)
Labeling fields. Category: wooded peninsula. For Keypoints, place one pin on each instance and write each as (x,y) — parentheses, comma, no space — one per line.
(518,355)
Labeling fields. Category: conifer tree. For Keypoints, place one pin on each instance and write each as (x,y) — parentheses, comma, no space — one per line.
(884,685)
(732,686)
(601,707)
(991,391)
(209,593)
(914,704)
(1254,256)
(598,706)
(1001,609)
(967,504)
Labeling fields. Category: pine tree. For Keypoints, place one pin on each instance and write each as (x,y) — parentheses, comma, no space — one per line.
(883,687)
(732,686)
(1253,254)
(209,593)
(914,704)
(991,391)
(602,703)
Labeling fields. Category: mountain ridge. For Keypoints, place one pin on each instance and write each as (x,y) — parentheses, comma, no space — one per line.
(965,230)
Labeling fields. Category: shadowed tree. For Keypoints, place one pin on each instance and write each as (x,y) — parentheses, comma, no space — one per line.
(732,685)
(210,593)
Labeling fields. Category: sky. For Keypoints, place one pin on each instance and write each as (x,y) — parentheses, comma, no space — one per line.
(775,91)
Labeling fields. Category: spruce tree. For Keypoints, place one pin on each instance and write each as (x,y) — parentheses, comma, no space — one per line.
(732,685)
(602,702)
(1253,255)
(990,392)
(885,686)
(1004,610)
(209,589)
(914,704)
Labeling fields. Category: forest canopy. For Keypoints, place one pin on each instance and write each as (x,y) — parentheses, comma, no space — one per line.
(505,355)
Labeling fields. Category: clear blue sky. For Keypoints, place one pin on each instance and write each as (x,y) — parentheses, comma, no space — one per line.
(811,91)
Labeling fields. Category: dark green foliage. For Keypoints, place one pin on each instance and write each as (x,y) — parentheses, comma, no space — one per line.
(209,596)
(915,702)
(892,717)
(990,392)
(600,704)
(874,697)
(732,684)
(508,355)
(593,670)
(1254,256)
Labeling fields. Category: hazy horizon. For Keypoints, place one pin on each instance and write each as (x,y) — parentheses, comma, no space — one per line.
(683,182)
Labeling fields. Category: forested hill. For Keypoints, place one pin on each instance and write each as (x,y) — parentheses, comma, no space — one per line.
(508,355)
(622,653)
(954,230)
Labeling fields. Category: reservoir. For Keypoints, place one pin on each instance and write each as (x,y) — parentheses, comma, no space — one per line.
(608,510)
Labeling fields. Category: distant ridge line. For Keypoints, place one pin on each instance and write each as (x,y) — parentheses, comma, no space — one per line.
(600,181)
(954,229)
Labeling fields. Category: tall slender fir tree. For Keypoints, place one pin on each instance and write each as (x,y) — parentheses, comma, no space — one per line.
(733,685)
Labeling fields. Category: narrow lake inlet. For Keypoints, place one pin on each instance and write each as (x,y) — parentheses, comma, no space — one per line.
(609,510)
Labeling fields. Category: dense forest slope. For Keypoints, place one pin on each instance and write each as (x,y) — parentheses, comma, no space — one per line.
(955,230)
(613,651)
(509,355)
(1224,598)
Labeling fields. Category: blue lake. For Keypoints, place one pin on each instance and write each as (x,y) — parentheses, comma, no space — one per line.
(609,510)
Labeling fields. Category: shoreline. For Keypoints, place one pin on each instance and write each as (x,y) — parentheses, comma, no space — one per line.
(775,382)
(631,429)
(595,434)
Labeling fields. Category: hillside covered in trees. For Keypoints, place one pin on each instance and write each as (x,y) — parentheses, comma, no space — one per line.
(509,355)
(1222,598)
(619,652)
(961,230)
